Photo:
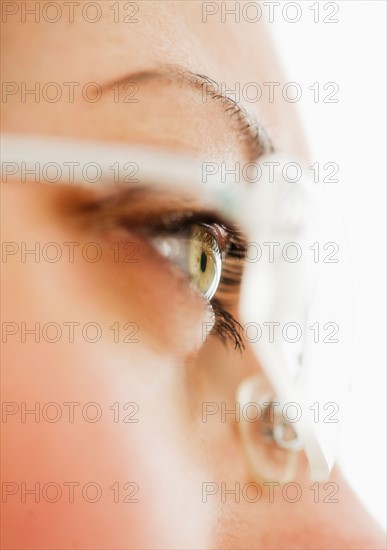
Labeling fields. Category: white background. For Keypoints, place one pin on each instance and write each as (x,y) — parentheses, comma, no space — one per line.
(352,134)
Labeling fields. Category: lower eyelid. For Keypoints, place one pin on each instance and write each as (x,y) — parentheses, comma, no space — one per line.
(150,292)
(135,252)
(176,286)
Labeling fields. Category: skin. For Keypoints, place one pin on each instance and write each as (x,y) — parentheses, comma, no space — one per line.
(170,452)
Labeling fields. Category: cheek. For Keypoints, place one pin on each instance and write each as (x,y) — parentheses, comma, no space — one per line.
(103,448)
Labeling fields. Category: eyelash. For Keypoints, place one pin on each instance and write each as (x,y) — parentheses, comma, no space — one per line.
(226,327)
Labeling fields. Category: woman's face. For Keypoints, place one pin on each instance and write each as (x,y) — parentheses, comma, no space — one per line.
(110,413)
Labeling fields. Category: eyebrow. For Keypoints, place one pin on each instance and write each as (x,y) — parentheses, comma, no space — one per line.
(250,132)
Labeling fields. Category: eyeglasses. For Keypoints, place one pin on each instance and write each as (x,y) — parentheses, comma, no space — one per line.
(294,294)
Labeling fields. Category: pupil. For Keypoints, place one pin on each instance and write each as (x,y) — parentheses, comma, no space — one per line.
(203,262)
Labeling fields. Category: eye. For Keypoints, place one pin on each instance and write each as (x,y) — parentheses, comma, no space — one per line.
(205,247)
(197,253)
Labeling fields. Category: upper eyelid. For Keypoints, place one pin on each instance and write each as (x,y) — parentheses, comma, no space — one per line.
(130,208)
(146,204)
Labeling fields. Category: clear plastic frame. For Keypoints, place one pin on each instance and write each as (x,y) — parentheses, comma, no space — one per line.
(294,288)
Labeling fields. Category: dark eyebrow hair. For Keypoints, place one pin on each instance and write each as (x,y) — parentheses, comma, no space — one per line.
(251,133)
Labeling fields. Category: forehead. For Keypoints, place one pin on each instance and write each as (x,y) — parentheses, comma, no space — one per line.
(103,41)
(121,33)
